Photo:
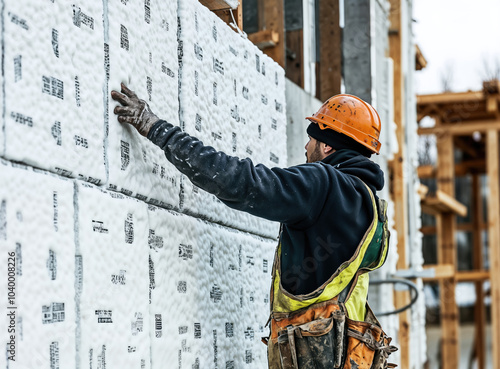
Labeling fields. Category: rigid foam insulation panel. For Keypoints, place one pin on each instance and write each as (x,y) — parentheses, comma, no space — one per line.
(112,280)
(36,224)
(141,51)
(231,97)
(53,80)
(209,290)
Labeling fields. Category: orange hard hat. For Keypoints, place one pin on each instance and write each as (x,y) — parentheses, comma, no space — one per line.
(351,116)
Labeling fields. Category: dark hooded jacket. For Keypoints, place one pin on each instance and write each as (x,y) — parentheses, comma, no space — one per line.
(324,207)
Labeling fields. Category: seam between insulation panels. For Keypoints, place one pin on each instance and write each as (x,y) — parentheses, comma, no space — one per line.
(105,87)
(2,21)
(180,53)
(220,223)
(78,275)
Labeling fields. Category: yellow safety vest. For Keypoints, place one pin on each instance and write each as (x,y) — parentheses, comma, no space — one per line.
(351,275)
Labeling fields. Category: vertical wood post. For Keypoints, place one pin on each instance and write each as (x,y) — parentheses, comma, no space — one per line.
(272,17)
(399,191)
(492,164)
(329,65)
(479,308)
(446,227)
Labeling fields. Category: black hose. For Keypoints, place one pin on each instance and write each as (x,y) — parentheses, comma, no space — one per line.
(412,286)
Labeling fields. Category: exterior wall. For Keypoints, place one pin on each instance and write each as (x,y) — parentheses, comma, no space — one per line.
(309,8)
(368,74)
(300,105)
(119,260)
(418,335)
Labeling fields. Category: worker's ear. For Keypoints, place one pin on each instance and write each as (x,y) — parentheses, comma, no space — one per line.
(327,150)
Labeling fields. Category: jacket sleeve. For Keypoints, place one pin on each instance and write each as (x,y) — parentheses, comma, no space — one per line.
(277,194)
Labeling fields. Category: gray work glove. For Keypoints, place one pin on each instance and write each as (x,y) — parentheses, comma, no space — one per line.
(134,111)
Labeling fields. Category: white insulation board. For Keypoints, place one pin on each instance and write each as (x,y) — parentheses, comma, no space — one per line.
(36,224)
(141,43)
(107,280)
(112,280)
(209,290)
(240,113)
(53,86)
(107,276)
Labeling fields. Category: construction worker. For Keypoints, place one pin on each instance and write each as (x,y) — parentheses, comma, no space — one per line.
(333,227)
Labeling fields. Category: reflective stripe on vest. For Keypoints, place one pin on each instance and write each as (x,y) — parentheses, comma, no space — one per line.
(370,254)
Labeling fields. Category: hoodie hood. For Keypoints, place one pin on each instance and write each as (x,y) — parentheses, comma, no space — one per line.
(353,163)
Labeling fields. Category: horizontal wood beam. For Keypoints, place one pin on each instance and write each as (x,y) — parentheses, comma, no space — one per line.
(461,169)
(446,271)
(426,171)
(441,202)
(473,275)
(441,271)
(427,110)
(469,166)
(264,39)
(462,227)
(452,97)
(462,128)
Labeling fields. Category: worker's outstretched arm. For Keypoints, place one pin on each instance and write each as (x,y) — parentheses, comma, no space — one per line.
(277,194)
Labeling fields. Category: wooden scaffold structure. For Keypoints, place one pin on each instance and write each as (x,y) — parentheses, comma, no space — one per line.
(467,123)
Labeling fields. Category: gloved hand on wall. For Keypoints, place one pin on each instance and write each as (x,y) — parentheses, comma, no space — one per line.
(134,110)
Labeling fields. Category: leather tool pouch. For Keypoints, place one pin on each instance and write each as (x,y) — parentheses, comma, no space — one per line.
(368,347)
(314,345)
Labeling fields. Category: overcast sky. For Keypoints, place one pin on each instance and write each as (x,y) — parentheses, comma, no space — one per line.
(456,37)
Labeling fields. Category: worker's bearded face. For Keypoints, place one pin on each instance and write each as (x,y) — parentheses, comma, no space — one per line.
(313,151)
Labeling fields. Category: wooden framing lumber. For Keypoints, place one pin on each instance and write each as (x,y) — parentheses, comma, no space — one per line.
(446,225)
(237,14)
(427,110)
(492,160)
(462,128)
(329,65)
(443,203)
(466,227)
(420,61)
(477,263)
(492,104)
(422,191)
(295,56)
(461,114)
(440,271)
(265,38)
(461,169)
(426,171)
(470,166)
(272,18)
(399,188)
(473,276)
(447,271)
(464,146)
(450,98)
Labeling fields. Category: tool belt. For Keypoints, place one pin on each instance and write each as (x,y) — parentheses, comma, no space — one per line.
(333,326)
(325,342)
